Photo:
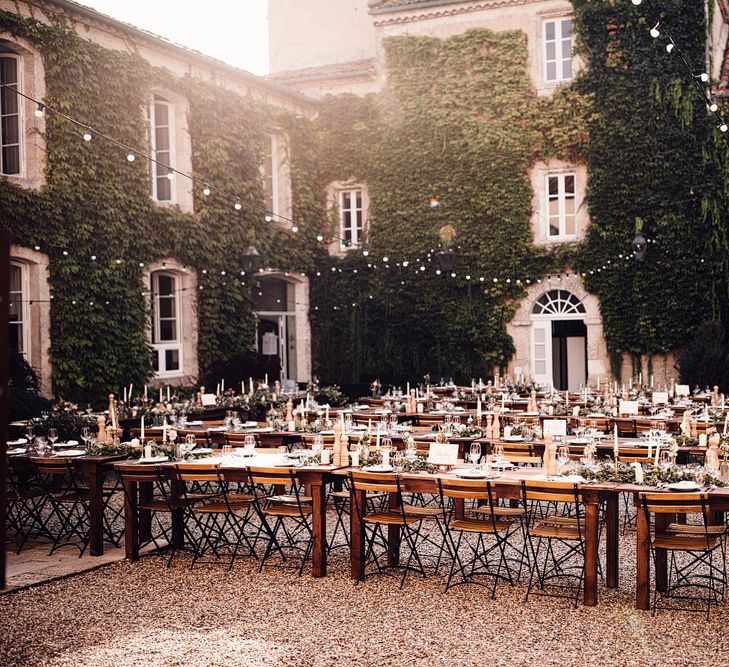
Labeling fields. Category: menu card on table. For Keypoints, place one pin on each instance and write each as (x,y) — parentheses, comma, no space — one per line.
(629,407)
(660,397)
(555,427)
(443,453)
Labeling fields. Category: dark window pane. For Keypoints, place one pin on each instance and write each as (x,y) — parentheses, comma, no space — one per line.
(167,330)
(172,360)
(164,189)
(161,114)
(569,184)
(549,29)
(10,130)
(166,284)
(567,69)
(11,160)
(359,199)
(8,101)
(15,279)
(8,70)
(166,307)
(346,200)
(551,71)
(155,361)
(553,185)
(551,51)
(566,28)
(16,337)
(553,229)
(161,139)
(347,219)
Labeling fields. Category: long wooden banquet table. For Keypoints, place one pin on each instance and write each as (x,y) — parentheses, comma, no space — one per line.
(95,468)
(315,479)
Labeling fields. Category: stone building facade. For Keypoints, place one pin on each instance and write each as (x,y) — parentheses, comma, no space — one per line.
(557,330)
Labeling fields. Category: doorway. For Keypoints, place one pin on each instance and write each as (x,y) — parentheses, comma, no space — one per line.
(569,354)
(275,307)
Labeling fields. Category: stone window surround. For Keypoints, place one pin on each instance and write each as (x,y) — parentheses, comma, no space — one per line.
(332,196)
(38,312)
(32,129)
(187,307)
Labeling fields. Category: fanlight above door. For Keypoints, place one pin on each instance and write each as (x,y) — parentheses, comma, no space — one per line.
(558,302)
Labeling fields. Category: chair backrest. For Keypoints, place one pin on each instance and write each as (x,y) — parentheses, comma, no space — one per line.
(672,503)
(557,492)
(238,439)
(196,472)
(430,420)
(626,426)
(373,481)
(52,465)
(134,472)
(283,476)
(308,439)
(464,488)
(200,436)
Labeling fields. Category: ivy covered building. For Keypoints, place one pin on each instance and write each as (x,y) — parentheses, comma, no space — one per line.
(533,133)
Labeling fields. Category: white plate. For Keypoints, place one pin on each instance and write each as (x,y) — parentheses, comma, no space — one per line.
(19,441)
(195,423)
(471,474)
(71,452)
(379,468)
(578,441)
(529,414)
(250,424)
(70,443)
(685,485)
(154,459)
(514,438)
(596,415)
(202,450)
(17,450)
(217,429)
(506,466)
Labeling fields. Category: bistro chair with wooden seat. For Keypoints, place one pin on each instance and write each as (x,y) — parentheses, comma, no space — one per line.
(697,551)
(153,507)
(68,522)
(25,502)
(392,515)
(290,513)
(626,427)
(489,524)
(556,541)
(214,518)
(429,420)
(520,453)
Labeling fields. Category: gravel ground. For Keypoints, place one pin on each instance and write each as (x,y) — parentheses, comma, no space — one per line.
(143,614)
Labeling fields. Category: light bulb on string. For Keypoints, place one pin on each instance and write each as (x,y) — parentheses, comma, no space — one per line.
(637,2)
(237,206)
(655,32)
(714,107)
(385,259)
(170,175)
(130,157)
(268,217)
(206,191)
(40,110)
(670,46)
(723,127)
(87,136)
(319,238)
(365,253)
(703,77)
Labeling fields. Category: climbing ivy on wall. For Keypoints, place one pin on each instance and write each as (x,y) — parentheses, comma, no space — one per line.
(459,121)
(649,138)
(97,204)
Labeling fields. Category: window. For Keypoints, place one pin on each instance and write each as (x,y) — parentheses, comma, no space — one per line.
(10,113)
(558,302)
(19,329)
(161,132)
(561,206)
(270,174)
(166,335)
(558,50)
(350,217)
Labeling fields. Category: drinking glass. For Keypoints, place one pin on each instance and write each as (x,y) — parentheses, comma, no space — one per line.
(227,451)
(30,431)
(448,422)
(250,444)
(86,435)
(317,445)
(398,461)
(41,445)
(475,453)
(283,450)
(700,475)
(348,422)
(664,460)
(52,435)
(393,423)
(563,456)
(190,442)
(411,451)
(498,451)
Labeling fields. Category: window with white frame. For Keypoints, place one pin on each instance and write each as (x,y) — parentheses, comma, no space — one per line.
(558,50)
(561,206)
(10,113)
(161,145)
(166,321)
(351,218)
(19,329)
(270,174)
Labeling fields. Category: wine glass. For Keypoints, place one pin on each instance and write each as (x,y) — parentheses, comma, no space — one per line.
(664,459)
(393,423)
(52,435)
(190,442)
(227,451)
(30,431)
(563,456)
(249,443)
(498,451)
(398,461)
(411,451)
(386,449)
(317,445)
(86,435)
(475,454)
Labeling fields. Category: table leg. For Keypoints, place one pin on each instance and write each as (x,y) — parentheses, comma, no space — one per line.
(393,535)
(357,532)
(661,522)
(131,525)
(145,495)
(642,559)
(178,515)
(591,551)
(319,527)
(612,564)
(96,512)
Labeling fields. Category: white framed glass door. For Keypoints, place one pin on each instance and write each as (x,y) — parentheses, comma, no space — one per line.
(542,351)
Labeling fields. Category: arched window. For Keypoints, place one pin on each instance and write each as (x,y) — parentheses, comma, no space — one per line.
(166,324)
(10,112)
(558,302)
(161,144)
(19,296)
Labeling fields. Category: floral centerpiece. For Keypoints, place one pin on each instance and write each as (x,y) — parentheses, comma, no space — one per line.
(66,418)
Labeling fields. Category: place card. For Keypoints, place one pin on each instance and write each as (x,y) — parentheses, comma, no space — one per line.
(682,390)
(555,427)
(629,408)
(208,399)
(443,453)
(660,397)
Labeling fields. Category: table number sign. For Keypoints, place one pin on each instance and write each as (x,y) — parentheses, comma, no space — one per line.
(629,407)
(208,399)
(682,390)
(443,453)
(555,427)
(660,397)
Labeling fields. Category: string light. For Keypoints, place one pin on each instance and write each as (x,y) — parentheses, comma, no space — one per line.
(87,136)
(130,157)
(268,217)
(237,206)
(655,31)
(206,191)
(39,110)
